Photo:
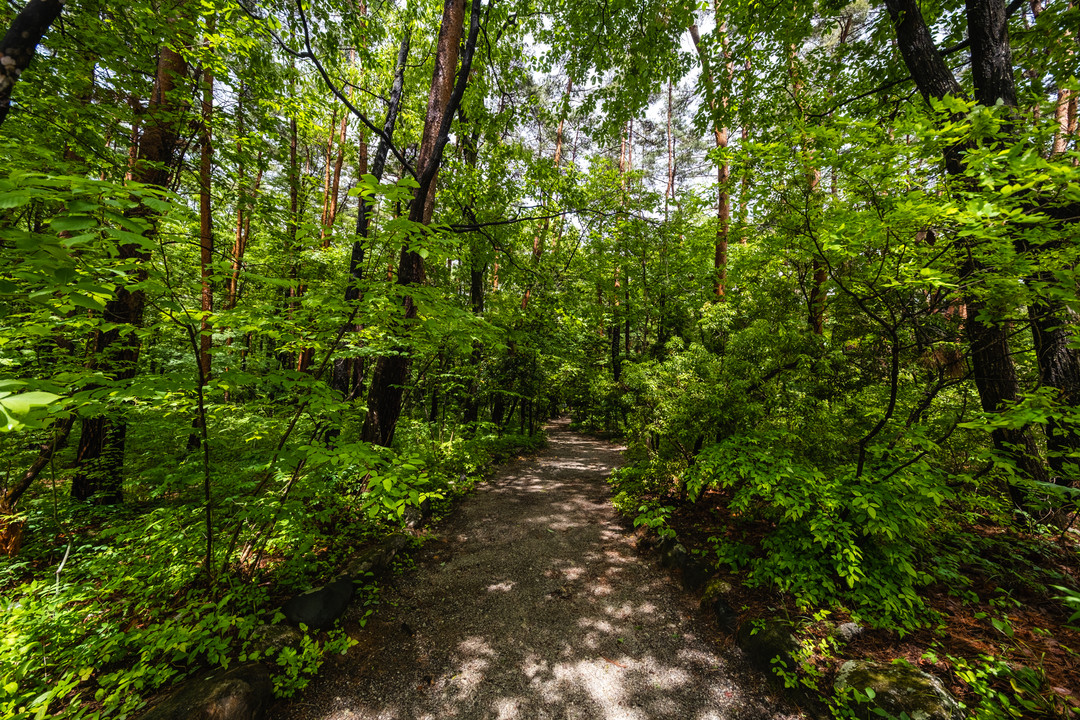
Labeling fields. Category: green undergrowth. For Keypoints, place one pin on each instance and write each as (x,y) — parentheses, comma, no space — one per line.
(105,606)
(898,555)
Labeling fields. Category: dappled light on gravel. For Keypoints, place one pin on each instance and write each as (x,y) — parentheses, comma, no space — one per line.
(532,603)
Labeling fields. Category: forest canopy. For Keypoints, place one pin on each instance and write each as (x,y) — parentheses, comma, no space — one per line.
(276,275)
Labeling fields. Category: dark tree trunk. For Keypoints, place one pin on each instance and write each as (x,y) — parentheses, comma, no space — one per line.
(345,368)
(392,371)
(995,379)
(994,372)
(45,453)
(20,44)
(818,298)
(1059,366)
(991,56)
(616,361)
(1059,369)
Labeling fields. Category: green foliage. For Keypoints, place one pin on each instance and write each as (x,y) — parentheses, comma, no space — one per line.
(1008,690)
(296,666)
(1071,600)
(831,537)
(824,404)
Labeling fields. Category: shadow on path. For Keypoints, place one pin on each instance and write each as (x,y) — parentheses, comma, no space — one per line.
(533,604)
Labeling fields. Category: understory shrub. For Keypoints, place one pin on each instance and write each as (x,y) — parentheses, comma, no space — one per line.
(830,536)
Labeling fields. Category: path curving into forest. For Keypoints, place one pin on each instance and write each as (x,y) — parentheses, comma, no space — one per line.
(532,603)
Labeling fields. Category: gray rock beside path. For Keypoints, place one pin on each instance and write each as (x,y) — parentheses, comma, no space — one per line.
(767,642)
(899,688)
(847,632)
(243,692)
(318,609)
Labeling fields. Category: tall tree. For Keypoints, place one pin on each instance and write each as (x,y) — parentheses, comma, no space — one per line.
(391,372)
(116,345)
(716,91)
(987,334)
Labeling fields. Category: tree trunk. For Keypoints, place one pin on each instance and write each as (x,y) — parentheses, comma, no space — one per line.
(206,240)
(46,451)
(100,454)
(335,185)
(20,44)
(1059,365)
(344,370)
(1058,368)
(326,220)
(718,102)
(391,372)
(994,372)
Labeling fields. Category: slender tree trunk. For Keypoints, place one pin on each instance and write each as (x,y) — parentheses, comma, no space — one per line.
(345,372)
(335,186)
(818,295)
(206,231)
(1061,119)
(328,174)
(206,241)
(292,249)
(718,102)
(541,236)
(669,192)
(46,451)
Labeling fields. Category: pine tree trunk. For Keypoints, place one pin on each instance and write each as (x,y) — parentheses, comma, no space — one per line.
(392,372)
(718,102)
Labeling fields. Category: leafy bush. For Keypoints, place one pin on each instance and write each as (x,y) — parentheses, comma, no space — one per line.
(830,536)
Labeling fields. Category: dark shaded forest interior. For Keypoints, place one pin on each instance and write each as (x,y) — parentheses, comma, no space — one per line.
(284,279)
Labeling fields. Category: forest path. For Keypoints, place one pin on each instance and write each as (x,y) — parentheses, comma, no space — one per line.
(533,603)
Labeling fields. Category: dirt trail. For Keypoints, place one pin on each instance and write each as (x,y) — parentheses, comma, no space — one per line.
(531,604)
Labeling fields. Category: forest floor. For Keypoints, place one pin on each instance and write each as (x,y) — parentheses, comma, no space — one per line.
(531,601)
(1000,625)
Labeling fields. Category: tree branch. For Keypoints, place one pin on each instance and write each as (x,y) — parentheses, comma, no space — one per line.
(1010,10)
(309,54)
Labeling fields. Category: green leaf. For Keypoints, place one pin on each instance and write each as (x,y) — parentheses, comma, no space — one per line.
(18,411)
(69,223)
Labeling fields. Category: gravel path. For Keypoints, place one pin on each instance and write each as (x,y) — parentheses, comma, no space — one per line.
(532,603)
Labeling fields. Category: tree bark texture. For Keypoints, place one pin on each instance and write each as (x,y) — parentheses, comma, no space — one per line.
(20,44)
